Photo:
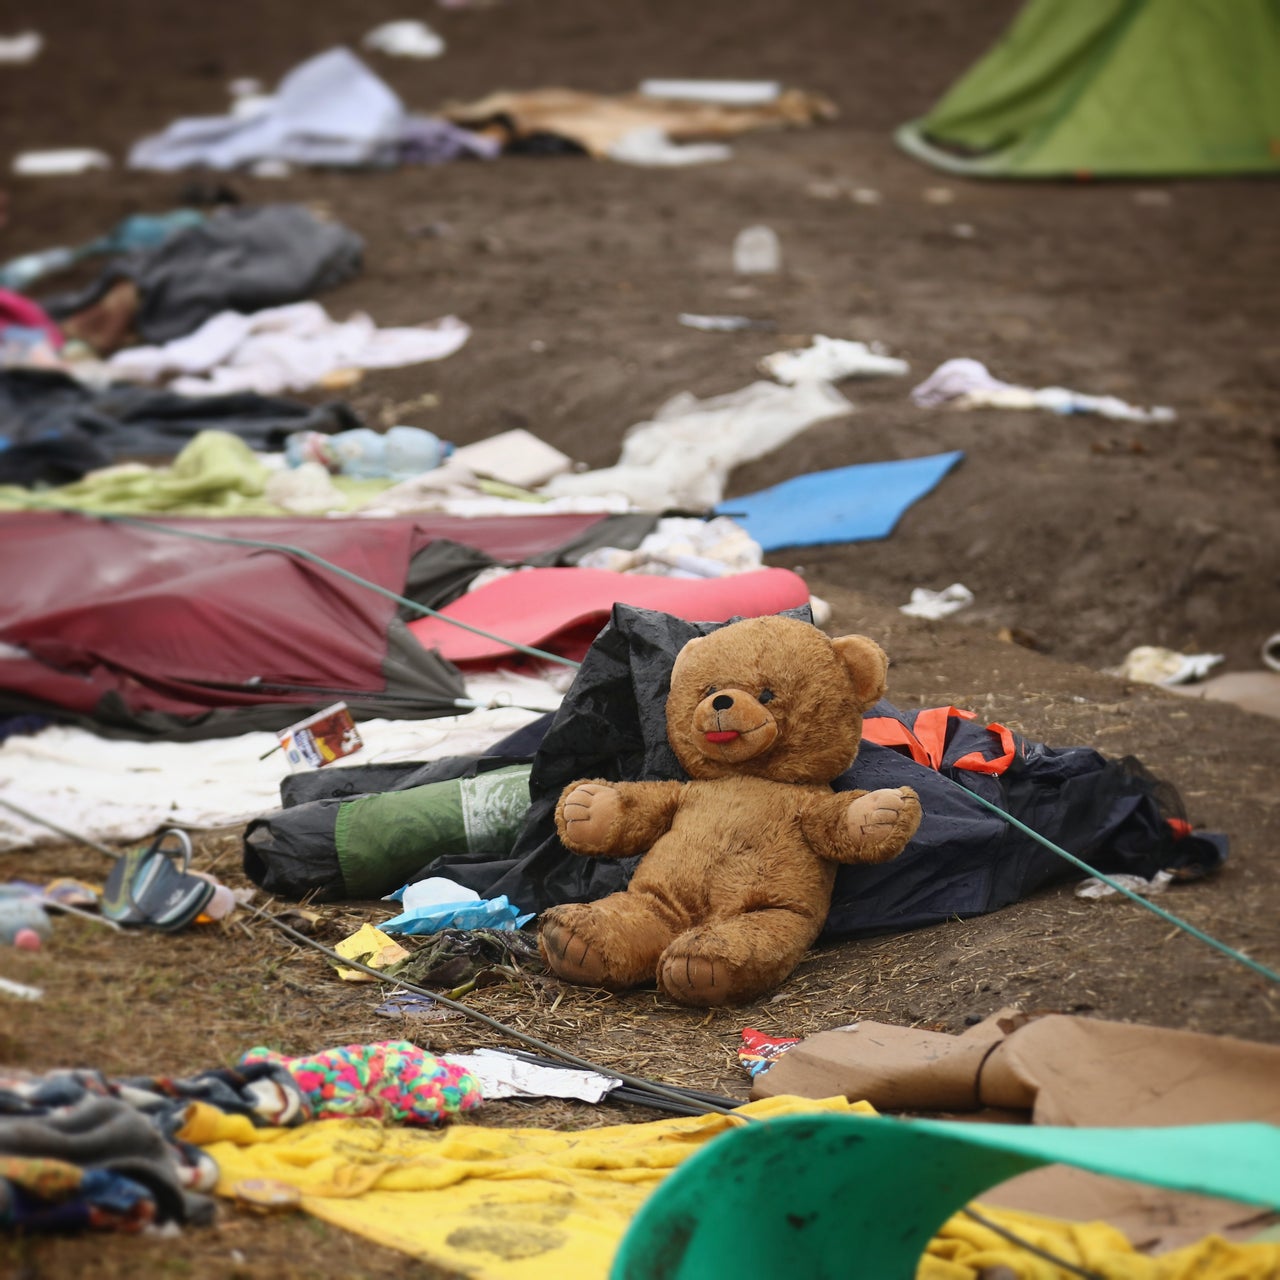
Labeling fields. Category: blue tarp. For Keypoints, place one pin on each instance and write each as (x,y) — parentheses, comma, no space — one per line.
(849,504)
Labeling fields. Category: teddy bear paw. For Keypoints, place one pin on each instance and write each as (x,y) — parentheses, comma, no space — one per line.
(588,817)
(692,979)
(883,821)
(569,954)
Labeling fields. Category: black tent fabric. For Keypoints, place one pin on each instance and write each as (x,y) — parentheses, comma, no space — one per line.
(963,861)
(53,429)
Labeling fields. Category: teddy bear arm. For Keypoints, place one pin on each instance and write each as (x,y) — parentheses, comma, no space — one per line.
(861,826)
(615,819)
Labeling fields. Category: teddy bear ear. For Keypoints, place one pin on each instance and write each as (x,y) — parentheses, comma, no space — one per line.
(868,667)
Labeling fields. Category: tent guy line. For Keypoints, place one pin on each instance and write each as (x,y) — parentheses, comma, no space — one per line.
(1185,925)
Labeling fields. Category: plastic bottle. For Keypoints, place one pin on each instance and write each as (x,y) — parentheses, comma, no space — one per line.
(756,251)
(19,911)
(397,454)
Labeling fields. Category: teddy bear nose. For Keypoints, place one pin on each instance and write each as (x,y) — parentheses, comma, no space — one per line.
(722,703)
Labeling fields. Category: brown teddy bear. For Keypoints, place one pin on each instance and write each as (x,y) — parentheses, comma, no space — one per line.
(739,863)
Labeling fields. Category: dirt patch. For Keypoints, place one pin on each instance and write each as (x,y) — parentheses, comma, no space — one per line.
(1084,536)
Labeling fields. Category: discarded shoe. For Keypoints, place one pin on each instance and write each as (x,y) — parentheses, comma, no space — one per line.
(149,887)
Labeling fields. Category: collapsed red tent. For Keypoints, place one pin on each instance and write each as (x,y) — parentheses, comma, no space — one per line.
(129,627)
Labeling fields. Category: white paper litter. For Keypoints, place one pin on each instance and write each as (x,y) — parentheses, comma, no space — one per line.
(515,457)
(1150,664)
(18,49)
(1095,888)
(729,93)
(20,990)
(832,360)
(56,163)
(407,38)
(937,604)
(501,1075)
(721,324)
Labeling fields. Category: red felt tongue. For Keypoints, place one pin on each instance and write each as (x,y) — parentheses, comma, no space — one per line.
(722,735)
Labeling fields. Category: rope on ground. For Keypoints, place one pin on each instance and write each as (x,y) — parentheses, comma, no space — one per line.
(1185,925)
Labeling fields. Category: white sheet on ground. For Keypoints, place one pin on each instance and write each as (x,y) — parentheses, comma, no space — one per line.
(115,790)
(330,110)
(286,348)
(683,456)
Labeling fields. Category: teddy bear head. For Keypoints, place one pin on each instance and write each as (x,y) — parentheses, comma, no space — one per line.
(772,698)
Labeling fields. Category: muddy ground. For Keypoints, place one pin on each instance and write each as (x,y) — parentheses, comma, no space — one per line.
(1082,537)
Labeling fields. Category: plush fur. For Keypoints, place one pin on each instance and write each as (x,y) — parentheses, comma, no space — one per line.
(740,861)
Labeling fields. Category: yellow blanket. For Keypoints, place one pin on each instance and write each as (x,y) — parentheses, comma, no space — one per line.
(540,1204)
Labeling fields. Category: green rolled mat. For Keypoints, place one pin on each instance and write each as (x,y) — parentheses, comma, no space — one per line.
(382,840)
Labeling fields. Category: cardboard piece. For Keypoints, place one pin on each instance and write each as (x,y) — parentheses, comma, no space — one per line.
(1057,1070)
(515,457)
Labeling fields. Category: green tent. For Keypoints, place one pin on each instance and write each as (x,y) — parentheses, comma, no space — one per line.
(1116,88)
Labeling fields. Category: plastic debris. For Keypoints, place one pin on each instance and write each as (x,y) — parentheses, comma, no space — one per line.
(1095,888)
(20,990)
(55,163)
(937,604)
(968,384)
(756,251)
(758,1050)
(266,1195)
(1271,652)
(397,454)
(463,912)
(409,1006)
(18,49)
(832,360)
(729,93)
(722,324)
(1150,664)
(408,38)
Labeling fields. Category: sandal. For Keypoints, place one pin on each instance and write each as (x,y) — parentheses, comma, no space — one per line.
(149,887)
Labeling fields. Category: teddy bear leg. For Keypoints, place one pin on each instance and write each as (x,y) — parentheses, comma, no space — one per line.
(613,943)
(735,960)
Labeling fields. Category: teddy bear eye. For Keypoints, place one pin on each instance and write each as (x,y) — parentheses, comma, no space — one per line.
(710,690)
(766,695)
